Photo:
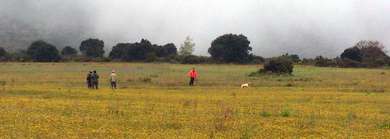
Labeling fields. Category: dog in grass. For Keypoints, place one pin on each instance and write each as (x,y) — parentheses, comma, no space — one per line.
(245,84)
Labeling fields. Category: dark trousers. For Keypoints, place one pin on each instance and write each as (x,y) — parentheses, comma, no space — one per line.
(89,85)
(113,85)
(95,85)
(192,81)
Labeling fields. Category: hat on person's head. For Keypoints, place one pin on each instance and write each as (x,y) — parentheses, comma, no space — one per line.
(113,71)
(90,71)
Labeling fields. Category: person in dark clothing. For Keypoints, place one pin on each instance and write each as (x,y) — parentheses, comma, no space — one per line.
(89,80)
(95,80)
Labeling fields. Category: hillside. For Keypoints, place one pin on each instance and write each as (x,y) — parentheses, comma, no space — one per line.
(16,35)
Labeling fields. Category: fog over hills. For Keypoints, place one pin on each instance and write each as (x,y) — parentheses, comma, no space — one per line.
(307,28)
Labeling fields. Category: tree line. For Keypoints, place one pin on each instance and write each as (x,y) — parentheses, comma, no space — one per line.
(364,54)
(227,48)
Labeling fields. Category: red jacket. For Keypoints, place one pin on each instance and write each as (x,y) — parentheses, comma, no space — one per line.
(192,73)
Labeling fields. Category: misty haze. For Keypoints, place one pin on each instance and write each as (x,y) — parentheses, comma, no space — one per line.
(306,28)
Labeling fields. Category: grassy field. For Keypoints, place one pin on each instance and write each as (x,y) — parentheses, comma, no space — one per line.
(51,100)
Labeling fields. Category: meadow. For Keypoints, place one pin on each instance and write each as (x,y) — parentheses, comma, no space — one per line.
(51,100)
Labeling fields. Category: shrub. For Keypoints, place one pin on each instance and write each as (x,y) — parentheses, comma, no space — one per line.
(71,58)
(379,62)
(285,113)
(68,50)
(174,61)
(332,63)
(279,65)
(254,59)
(191,59)
(348,63)
(321,61)
(151,57)
(253,74)
(264,113)
(294,58)
(145,79)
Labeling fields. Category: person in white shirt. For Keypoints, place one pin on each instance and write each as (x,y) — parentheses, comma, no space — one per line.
(113,79)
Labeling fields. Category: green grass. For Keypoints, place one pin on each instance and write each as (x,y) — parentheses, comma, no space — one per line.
(51,100)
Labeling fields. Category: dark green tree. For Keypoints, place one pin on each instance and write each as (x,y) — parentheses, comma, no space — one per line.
(365,51)
(143,48)
(139,51)
(119,50)
(230,48)
(42,51)
(160,51)
(294,58)
(67,50)
(130,52)
(48,53)
(32,49)
(217,53)
(2,52)
(170,48)
(92,47)
(371,50)
(352,53)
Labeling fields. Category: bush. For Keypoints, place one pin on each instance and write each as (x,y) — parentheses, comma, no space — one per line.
(294,58)
(191,59)
(379,63)
(254,59)
(348,63)
(279,65)
(71,58)
(68,50)
(321,61)
(23,58)
(307,61)
(253,74)
(285,113)
(171,57)
(173,62)
(332,63)
(151,57)
(145,79)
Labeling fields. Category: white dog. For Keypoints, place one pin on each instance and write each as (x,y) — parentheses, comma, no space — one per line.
(245,84)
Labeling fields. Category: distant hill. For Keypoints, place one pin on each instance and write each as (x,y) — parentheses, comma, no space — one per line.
(16,35)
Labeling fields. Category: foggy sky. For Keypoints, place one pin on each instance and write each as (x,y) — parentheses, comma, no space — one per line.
(308,28)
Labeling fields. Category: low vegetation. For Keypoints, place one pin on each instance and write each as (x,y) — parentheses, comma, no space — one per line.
(51,100)
(282,65)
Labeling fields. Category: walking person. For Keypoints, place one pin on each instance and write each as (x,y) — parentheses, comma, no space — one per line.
(113,79)
(95,80)
(193,76)
(89,80)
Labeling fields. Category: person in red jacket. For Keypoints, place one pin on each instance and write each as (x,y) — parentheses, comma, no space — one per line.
(192,74)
